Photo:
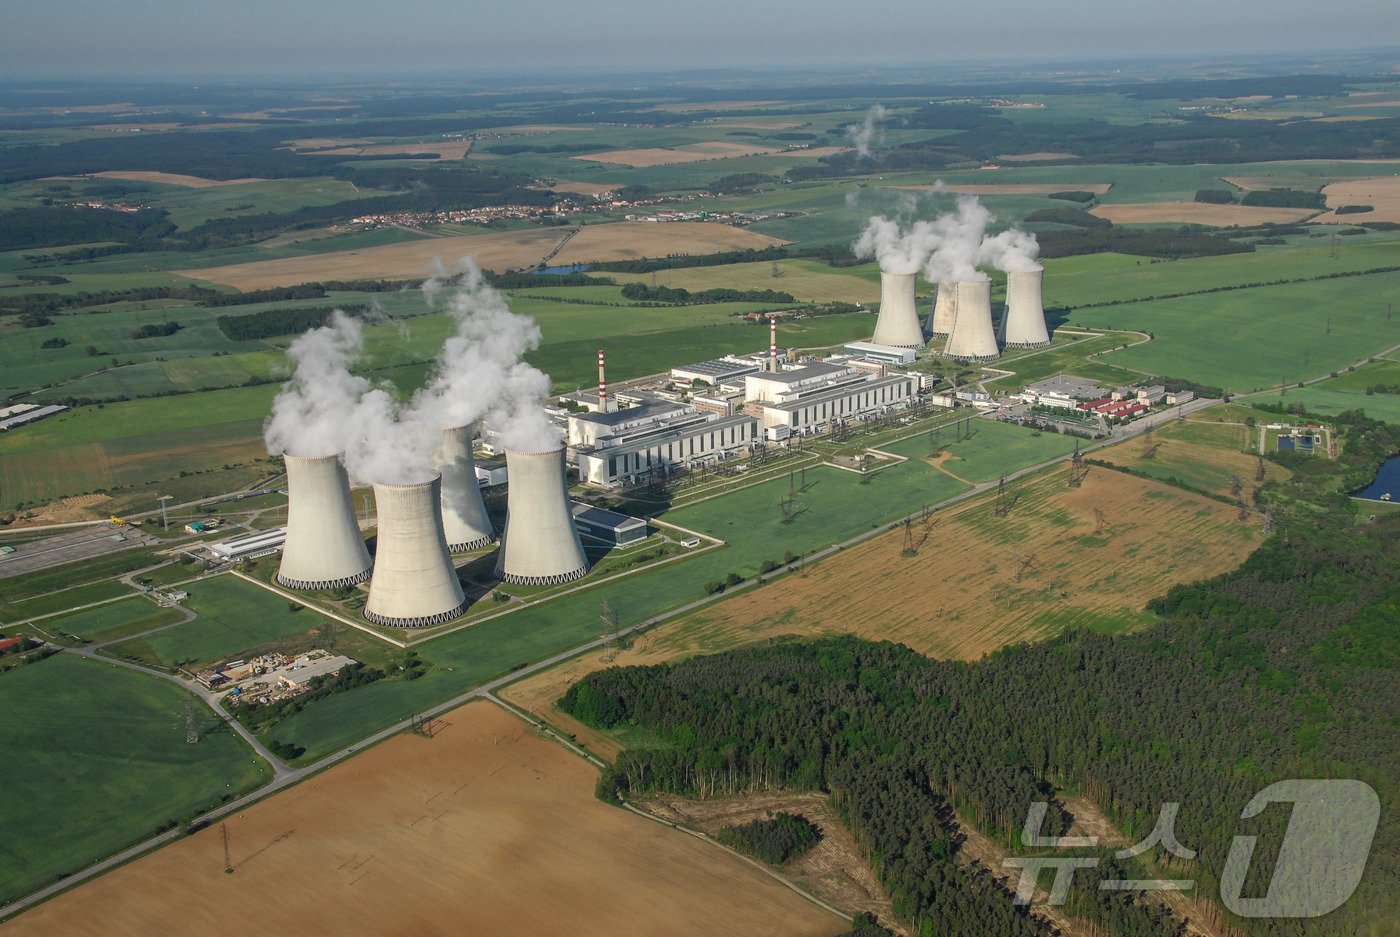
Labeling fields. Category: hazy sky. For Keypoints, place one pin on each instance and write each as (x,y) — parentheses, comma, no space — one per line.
(50,38)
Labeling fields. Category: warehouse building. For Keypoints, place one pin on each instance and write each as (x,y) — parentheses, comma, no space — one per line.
(249,546)
(610,527)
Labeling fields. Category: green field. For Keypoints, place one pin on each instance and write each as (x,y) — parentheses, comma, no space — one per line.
(114,620)
(235,618)
(1347,391)
(994,450)
(1250,339)
(95,760)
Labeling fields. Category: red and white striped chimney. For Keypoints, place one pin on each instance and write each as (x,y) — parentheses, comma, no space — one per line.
(773,342)
(602,385)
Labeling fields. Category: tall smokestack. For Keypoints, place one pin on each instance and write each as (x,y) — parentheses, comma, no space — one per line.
(773,343)
(898,324)
(973,337)
(414,584)
(324,548)
(540,546)
(602,385)
(464,521)
(945,307)
(1023,326)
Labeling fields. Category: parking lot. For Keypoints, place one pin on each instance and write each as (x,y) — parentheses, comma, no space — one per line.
(82,544)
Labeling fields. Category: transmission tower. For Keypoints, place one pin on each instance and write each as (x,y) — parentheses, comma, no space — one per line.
(191,730)
(1100,519)
(1003,507)
(1259,472)
(228,860)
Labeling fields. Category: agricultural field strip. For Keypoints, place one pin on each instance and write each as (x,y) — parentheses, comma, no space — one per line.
(286,777)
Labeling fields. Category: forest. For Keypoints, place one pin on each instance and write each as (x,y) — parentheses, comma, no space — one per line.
(1284,668)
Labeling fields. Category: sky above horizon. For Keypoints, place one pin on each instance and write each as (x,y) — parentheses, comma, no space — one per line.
(79,38)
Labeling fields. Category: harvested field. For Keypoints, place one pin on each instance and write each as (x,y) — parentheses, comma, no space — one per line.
(1219,216)
(669,155)
(806,280)
(169,178)
(63,511)
(484,829)
(1015,188)
(835,870)
(1382,193)
(1294,181)
(1047,566)
(586,188)
(629,240)
(497,251)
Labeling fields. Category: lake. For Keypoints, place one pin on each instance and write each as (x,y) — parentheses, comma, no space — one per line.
(1387,480)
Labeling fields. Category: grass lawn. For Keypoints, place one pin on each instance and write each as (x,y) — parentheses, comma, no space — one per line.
(235,617)
(58,601)
(1251,339)
(112,621)
(95,760)
(1347,391)
(16,588)
(995,449)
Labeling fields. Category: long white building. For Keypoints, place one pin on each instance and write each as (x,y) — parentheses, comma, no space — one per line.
(657,437)
(813,395)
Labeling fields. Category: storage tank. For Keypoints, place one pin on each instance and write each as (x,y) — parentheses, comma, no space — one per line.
(898,323)
(540,545)
(414,583)
(1023,325)
(945,307)
(464,520)
(324,548)
(973,337)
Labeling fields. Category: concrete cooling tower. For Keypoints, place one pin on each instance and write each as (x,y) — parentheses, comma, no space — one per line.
(324,547)
(898,324)
(414,584)
(1023,326)
(540,546)
(464,520)
(973,337)
(945,307)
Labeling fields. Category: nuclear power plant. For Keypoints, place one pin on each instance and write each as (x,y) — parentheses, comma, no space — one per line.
(414,583)
(944,309)
(973,337)
(464,520)
(1023,324)
(540,546)
(324,548)
(898,324)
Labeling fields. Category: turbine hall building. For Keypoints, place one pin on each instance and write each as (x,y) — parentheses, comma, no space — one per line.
(810,397)
(657,437)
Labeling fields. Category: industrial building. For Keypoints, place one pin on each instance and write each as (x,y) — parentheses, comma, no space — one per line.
(540,545)
(21,413)
(884,353)
(324,548)
(812,396)
(898,323)
(1023,324)
(716,371)
(657,437)
(609,527)
(414,583)
(248,546)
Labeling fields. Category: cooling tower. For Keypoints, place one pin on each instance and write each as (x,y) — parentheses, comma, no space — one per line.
(324,548)
(540,546)
(414,584)
(464,520)
(973,337)
(945,307)
(898,324)
(1023,326)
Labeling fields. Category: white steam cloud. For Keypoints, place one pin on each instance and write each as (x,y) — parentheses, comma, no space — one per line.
(480,376)
(1013,250)
(960,234)
(900,247)
(314,413)
(867,134)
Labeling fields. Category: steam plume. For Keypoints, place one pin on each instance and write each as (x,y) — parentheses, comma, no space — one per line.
(959,242)
(899,247)
(1013,250)
(314,413)
(868,132)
